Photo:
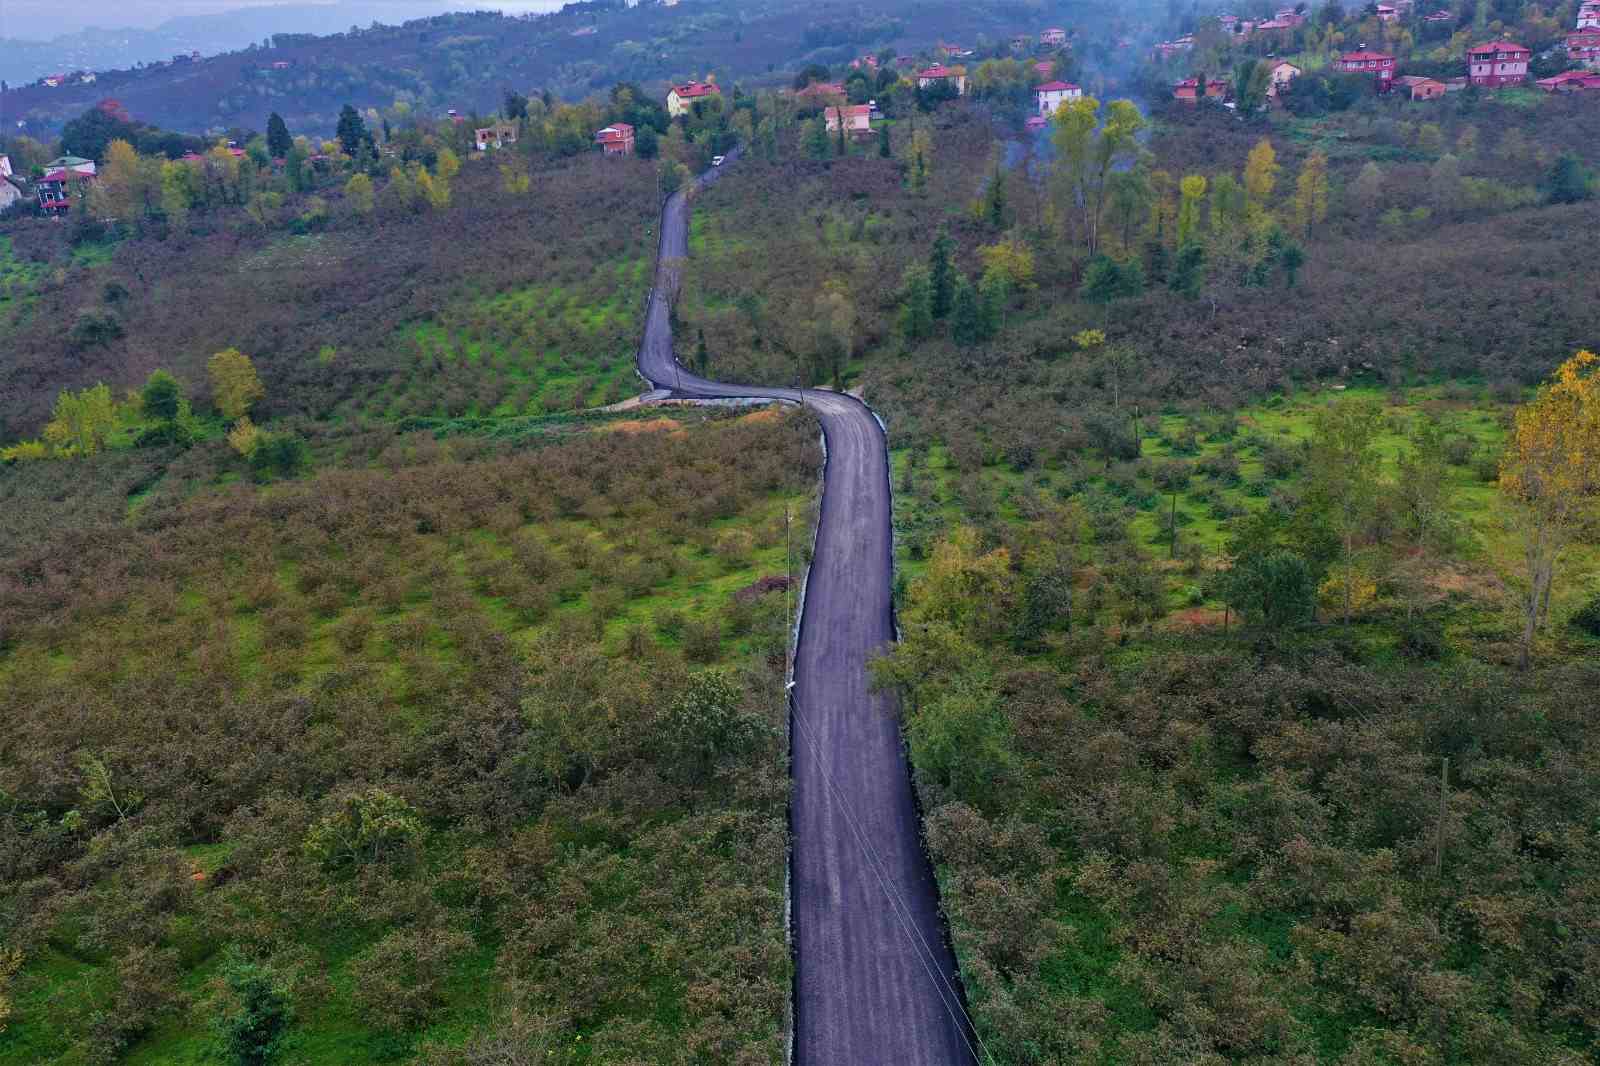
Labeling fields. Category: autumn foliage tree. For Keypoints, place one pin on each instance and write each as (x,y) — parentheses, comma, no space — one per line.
(234,382)
(1551,472)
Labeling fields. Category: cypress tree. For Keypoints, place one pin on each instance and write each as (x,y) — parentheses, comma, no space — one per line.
(941,273)
(278,140)
(966,320)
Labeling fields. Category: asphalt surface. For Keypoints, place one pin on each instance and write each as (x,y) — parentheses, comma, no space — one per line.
(875,982)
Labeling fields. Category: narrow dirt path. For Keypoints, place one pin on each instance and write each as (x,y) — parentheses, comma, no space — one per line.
(876,983)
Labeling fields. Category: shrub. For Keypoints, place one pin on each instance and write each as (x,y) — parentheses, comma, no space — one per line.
(702,641)
(280,454)
(1587,618)
(250,1031)
(364,827)
(400,982)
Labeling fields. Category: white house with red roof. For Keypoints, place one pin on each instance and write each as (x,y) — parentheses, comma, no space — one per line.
(615,139)
(1498,63)
(1589,15)
(1387,13)
(956,76)
(682,97)
(1379,64)
(857,118)
(1052,94)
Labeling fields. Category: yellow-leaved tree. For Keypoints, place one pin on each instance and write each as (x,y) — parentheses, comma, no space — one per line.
(1191,190)
(1551,472)
(81,421)
(358,190)
(1311,193)
(1260,176)
(234,383)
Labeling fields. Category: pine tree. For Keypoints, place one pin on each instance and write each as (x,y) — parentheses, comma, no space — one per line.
(278,140)
(883,141)
(352,131)
(916,316)
(997,199)
(966,316)
(817,140)
(941,273)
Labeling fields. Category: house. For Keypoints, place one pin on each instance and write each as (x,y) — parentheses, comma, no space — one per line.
(1570,81)
(1379,64)
(1275,26)
(75,163)
(1583,48)
(1045,68)
(1021,43)
(1036,123)
(824,91)
(1387,13)
(59,188)
(1589,15)
(1422,88)
(5,166)
(680,98)
(281,64)
(1289,15)
(615,139)
(857,119)
(1052,94)
(1498,63)
(497,135)
(1189,90)
(1054,37)
(956,76)
(1165,50)
(1439,16)
(865,62)
(84,77)
(1283,72)
(52,81)
(10,195)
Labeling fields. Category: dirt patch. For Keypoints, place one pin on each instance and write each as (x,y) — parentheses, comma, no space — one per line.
(766,414)
(647,425)
(1196,618)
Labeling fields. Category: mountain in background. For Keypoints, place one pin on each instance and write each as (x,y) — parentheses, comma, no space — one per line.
(94,48)
(467,61)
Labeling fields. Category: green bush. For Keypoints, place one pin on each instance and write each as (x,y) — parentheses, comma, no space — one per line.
(250,1031)
(1587,618)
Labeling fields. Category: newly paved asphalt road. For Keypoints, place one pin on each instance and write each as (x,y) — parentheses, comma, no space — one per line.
(876,983)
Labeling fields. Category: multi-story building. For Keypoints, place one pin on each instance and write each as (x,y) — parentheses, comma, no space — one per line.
(1498,63)
(1379,64)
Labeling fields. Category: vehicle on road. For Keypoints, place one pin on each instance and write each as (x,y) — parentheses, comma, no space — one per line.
(716,160)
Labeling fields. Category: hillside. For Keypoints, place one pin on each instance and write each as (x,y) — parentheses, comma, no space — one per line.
(467,61)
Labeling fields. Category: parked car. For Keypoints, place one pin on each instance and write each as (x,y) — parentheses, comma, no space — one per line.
(716,160)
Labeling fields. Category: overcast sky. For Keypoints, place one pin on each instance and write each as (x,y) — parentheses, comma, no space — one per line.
(43,19)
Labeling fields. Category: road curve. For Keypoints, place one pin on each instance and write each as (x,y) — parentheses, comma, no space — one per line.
(875,981)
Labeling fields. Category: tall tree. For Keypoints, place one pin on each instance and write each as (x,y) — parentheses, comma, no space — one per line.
(1368,189)
(1551,472)
(1261,175)
(162,396)
(916,316)
(1311,193)
(1342,477)
(358,190)
(941,272)
(352,131)
(278,140)
(234,382)
(1190,190)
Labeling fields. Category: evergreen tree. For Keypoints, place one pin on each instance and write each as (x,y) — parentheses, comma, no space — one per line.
(883,141)
(1568,182)
(838,113)
(997,199)
(916,317)
(1188,271)
(816,144)
(162,396)
(1291,258)
(1156,262)
(941,272)
(992,293)
(352,131)
(278,140)
(966,316)
(702,356)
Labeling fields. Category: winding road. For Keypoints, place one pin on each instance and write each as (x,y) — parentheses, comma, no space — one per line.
(875,981)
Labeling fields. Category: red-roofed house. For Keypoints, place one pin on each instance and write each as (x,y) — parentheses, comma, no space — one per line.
(681,97)
(1283,72)
(1570,81)
(956,76)
(59,188)
(857,119)
(1036,123)
(1439,16)
(825,91)
(1588,15)
(1387,13)
(1045,68)
(1052,94)
(1583,47)
(496,136)
(1188,90)
(1054,37)
(1379,64)
(1498,63)
(615,139)
(1422,88)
